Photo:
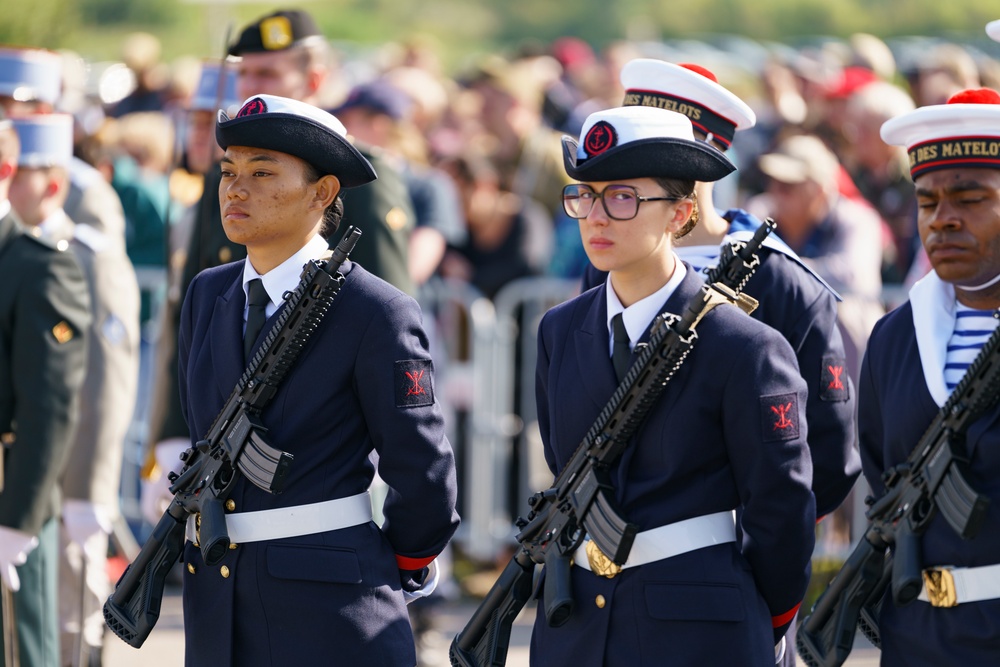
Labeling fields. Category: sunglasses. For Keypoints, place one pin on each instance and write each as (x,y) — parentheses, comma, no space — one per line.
(620,202)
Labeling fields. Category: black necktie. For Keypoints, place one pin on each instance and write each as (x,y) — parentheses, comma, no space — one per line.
(621,355)
(257,301)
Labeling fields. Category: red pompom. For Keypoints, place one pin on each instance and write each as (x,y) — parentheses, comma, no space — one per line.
(700,70)
(975,96)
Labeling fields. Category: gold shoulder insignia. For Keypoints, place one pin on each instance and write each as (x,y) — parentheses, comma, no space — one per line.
(63,332)
(276,33)
(395,218)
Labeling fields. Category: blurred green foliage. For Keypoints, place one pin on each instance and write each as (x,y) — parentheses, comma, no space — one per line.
(463,28)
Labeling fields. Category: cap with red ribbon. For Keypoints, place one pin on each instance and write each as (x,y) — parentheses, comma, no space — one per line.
(963,133)
(296,128)
(639,142)
(688,89)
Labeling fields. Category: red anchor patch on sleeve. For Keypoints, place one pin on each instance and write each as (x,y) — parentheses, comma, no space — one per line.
(779,417)
(414,383)
(834,383)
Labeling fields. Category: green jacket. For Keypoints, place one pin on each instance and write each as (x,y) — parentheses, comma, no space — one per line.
(44,317)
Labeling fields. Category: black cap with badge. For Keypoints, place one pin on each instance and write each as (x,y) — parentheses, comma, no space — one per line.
(296,128)
(276,32)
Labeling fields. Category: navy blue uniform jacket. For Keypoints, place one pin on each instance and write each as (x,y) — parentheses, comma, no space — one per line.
(330,598)
(729,431)
(895,410)
(803,309)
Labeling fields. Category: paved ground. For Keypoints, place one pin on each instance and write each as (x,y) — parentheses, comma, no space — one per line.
(165,646)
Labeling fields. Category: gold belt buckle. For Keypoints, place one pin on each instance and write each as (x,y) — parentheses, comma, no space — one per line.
(600,563)
(940,585)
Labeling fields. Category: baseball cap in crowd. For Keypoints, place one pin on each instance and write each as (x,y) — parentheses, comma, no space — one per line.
(850,80)
(46,140)
(277,32)
(688,89)
(296,128)
(638,142)
(964,132)
(993,30)
(801,158)
(378,96)
(30,75)
(208,96)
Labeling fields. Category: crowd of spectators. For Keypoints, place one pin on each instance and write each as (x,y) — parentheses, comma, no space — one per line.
(479,151)
(483,142)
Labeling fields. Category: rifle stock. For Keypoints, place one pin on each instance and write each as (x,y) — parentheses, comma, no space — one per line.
(236,444)
(486,636)
(581,499)
(134,607)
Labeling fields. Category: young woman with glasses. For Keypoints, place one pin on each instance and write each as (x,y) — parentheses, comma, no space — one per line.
(728,433)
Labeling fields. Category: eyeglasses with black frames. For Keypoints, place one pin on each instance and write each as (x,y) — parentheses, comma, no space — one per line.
(621,202)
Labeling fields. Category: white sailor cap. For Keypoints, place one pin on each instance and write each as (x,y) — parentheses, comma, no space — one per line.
(46,140)
(29,75)
(993,30)
(964,132)
(688,89)
(209,96)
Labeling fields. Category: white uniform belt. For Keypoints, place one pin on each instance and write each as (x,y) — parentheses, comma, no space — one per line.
(962,584)
(285,522)
(673,539)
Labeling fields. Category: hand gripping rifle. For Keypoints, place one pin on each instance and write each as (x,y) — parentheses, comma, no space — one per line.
(235,444)
(931,480)
(581,499)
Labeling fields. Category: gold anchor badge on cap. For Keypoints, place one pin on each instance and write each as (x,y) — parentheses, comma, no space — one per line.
(276,33)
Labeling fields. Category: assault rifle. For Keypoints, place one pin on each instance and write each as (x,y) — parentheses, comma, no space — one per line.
(581,500)
(235,444)
(931,480)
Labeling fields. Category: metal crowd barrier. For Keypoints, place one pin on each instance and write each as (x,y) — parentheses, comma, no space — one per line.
(488,391)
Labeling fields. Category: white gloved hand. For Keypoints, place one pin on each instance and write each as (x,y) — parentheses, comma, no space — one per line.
(155,494)
(82,520)
(779,651)
(14,549)
(430,583)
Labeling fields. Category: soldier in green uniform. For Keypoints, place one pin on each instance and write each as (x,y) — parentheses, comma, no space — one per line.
(44,316)
(92,477)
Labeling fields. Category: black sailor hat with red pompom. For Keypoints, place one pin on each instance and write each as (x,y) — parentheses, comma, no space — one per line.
(296,128)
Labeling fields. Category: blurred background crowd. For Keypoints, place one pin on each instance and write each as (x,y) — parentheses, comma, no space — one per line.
(475,138)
